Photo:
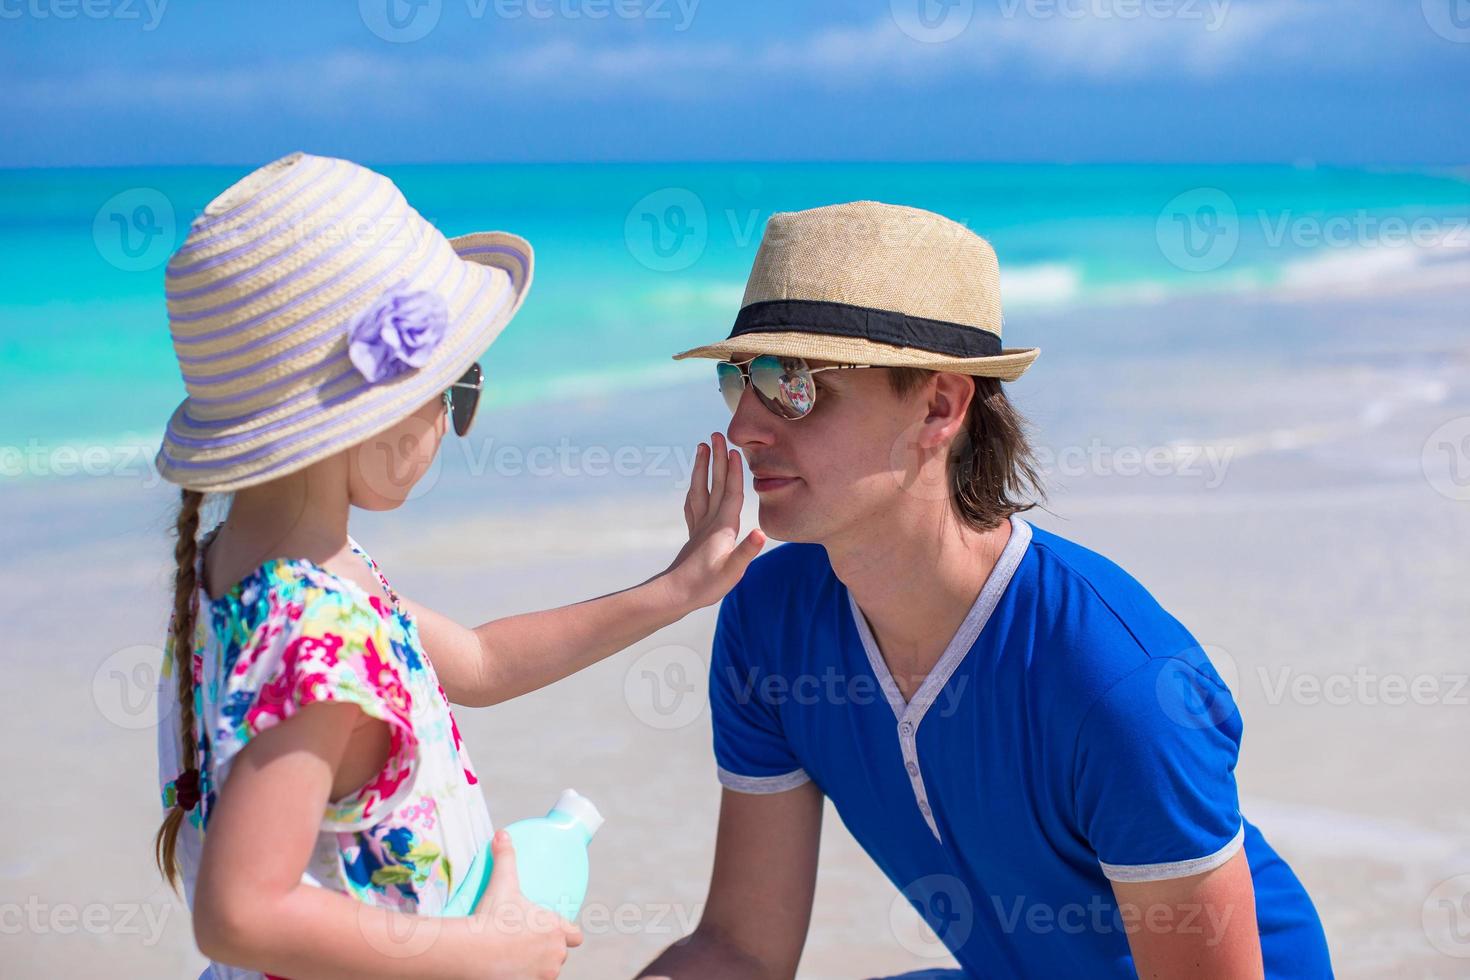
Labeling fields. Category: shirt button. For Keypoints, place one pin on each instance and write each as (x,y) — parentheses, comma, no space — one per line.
(924,808)
(907,728)
(913,769)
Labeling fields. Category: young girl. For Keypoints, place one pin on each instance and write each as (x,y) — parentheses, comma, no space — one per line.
(327,336)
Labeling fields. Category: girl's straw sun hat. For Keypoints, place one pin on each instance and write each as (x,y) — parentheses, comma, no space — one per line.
(311,307)
(879,284)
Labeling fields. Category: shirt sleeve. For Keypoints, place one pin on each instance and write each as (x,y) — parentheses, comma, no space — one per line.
(324,644)
(752,754)
(1155,773)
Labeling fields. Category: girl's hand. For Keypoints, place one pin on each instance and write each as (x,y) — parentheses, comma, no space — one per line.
(526,940)
(715,557)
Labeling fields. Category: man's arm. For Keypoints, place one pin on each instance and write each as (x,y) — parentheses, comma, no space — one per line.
(1201,926)
(760,893)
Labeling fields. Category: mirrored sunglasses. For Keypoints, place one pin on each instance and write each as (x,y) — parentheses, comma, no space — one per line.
(783,385)
(462,398)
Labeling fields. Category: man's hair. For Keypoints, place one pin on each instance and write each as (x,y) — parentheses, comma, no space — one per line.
(992,468)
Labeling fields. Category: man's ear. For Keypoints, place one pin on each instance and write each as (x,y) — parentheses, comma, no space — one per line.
(948,396)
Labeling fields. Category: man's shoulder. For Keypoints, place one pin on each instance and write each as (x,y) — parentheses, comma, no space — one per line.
(1070,559)
(1100,627)
(1062,562)
(1091,602)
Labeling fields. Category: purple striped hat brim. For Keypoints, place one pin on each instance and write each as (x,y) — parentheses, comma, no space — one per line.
(337,408)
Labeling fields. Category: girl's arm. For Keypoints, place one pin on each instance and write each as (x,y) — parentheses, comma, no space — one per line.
(509,657)
(251,909)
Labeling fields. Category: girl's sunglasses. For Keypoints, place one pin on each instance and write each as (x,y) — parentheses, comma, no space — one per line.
(782,384)
(461,404)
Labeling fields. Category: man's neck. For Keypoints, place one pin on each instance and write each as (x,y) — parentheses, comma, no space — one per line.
(915,580)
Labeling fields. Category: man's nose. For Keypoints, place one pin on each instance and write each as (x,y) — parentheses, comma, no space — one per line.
(752,424)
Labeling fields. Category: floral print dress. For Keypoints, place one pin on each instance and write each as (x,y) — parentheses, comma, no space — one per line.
(292,633)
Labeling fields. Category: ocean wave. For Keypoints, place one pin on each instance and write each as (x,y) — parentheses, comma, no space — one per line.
(1379,268)
(1364,271)
(1044,284)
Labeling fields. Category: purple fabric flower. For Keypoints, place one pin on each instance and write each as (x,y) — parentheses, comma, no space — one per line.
(398,332)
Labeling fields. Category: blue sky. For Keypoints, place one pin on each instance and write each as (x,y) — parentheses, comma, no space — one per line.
(103,82)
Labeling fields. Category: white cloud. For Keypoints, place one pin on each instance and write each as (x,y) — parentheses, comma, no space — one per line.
(1094,39)
(1009,41)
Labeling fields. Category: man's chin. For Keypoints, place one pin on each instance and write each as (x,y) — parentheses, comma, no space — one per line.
(784,522)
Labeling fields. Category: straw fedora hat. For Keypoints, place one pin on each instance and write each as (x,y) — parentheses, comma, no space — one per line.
(312,308)
(870,283)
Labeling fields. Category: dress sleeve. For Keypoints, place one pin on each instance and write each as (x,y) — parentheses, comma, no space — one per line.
(752,754)
(324,643)
(1155,773)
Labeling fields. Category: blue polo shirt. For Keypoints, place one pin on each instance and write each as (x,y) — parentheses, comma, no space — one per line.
(1073,733)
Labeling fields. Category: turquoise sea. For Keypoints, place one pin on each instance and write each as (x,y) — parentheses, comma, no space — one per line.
(637,261)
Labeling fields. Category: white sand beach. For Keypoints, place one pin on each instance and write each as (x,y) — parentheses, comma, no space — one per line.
(1307,520)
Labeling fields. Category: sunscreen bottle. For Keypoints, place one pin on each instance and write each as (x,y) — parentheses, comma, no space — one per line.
(551,859)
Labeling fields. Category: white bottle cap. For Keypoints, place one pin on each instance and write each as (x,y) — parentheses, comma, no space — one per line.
(579,808)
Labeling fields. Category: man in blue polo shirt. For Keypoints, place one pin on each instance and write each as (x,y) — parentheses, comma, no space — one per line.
(1034,752)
